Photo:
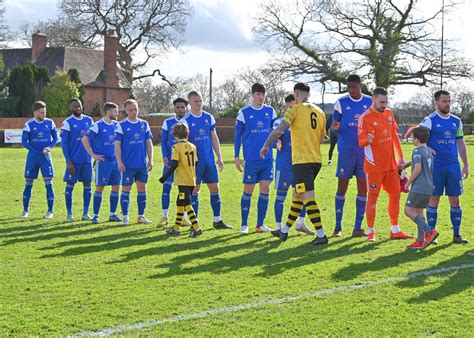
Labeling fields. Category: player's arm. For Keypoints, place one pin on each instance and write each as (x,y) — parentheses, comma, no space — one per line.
(239,130)
(396,141)
(275,135)
(149,152)
(118,147)
(87,145)
(414,174)
(173,165)
(54,135)
(336,116)
(462,149)
(25,139)
(323,128)
(216,145)
(363,135)
(65,131)
(164,144)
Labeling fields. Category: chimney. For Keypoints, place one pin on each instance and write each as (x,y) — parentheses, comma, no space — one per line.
(110,58)
(38,46)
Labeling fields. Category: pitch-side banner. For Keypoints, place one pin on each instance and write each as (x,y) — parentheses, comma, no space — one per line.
(14,136)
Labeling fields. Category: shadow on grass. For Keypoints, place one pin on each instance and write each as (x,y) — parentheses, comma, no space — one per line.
(456,281)
(272,262)
(130,239)
(385,262)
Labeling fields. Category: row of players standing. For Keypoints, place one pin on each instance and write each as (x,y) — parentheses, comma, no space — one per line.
(250,131)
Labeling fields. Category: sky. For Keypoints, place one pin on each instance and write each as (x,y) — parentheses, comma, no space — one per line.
(218,35)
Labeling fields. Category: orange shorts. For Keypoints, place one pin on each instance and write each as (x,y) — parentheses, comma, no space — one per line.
(389,180)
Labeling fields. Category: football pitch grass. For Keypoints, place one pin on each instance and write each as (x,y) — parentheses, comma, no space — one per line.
(60,278)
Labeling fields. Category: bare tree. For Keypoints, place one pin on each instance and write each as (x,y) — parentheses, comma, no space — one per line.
(5,33)
(145,29)
(390,43)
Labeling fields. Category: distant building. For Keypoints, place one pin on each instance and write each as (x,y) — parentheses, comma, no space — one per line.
(102,78)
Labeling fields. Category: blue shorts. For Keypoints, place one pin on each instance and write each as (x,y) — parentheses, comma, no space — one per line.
(349,165)
(170,179)
(447,180)
(107,173)
(35,162)
(132,175)
(258,170)
(82,173)
(284,177)
(206,173)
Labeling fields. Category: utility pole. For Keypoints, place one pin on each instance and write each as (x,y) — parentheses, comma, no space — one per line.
(210,90)
(442,42)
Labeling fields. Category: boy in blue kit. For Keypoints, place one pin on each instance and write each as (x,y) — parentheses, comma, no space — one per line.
(134,154)
(78,161)
(284,173)
(421,182)
(253,125)
(350,162)
(202,133)
(99,144)
(167,142)
(39,137)
(447,141)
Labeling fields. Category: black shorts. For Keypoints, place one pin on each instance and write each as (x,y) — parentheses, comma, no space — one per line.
(184,195)
(304,176)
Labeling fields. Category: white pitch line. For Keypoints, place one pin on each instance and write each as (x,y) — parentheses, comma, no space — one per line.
(288,299)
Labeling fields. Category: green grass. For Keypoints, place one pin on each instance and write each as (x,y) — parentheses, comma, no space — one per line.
(59,278)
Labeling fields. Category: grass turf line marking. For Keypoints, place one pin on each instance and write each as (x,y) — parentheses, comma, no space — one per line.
(273,301)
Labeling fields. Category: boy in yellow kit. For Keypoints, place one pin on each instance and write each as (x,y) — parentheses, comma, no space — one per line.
(184,161)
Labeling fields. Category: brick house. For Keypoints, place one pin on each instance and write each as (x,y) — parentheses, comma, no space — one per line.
(102,78)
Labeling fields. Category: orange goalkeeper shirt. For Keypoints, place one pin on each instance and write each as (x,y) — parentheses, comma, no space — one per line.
(380,154)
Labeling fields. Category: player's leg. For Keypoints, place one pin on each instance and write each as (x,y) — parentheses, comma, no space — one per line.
(454,190)
(141,181)
(346,165)
(249,180)
(391,184)
(264,178)
(200,171)
(31,173)
(165,199)
(262,206)
(374,183)
(47,171)
(180,203)
(440,178)
(127,180)
(114,181)
(332,145)
(211,177)
(195,230)
(70,180)
(282,190)
(85,176)
(96,203)
(295,210)
(361,199)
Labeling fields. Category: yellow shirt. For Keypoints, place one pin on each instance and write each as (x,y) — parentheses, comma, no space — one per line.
(308,124)
(185,153)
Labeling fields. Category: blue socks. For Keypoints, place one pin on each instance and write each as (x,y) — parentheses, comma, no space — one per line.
(97,202)
(49,194)
(86,198)
(432,216)
(262,206)
(245,207)
(165,196)
(68,196)
(27,195)
(114,198)
(456,216)
(339,207)
(361,202)
(141,203)
(279,204)
(195,203)
(125,202)
(215,204)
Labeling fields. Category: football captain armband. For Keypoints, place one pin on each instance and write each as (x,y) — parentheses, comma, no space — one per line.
(403,180)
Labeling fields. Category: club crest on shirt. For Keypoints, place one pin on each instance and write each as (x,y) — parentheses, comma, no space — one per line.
(206,121)
(389,119)
(373,186)
(142,126)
